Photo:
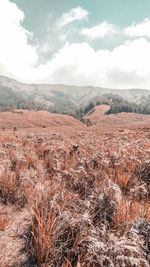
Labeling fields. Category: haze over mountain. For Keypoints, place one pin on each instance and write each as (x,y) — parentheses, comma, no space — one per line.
(59,98)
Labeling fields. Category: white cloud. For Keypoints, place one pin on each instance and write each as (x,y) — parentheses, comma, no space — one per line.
(100,31)
(17,56)
(75,14)
(141,29)
(126,66)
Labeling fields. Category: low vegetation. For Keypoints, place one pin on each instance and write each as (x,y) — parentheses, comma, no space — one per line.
(87,205)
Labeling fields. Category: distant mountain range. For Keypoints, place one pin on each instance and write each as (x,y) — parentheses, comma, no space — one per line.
(65,99)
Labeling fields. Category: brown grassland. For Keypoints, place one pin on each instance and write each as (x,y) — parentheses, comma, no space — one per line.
(80,207)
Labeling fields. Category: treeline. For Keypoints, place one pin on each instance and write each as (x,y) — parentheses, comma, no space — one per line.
(117,105)
(106,99)
(131,108)
(90,107)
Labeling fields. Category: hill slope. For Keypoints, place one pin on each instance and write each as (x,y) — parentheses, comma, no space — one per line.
(61,98)
(34,119)
(97,118)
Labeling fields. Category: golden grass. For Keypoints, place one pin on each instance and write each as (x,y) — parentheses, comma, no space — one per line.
(3,222)
(55,184)
(129,211)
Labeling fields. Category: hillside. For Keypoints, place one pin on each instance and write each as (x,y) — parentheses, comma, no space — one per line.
(33,119)
(98,118)
(62,98)
(97,114)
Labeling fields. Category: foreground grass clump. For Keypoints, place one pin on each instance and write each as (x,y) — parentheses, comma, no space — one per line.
(90,207)
(3,222)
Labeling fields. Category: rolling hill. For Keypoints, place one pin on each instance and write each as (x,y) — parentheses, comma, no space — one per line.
(61,98)
(21,119)
(98,118)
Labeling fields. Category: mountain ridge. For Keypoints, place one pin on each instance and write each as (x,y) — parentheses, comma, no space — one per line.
(69,85)
(63,99)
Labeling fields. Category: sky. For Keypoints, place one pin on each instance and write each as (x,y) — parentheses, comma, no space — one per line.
(102,43)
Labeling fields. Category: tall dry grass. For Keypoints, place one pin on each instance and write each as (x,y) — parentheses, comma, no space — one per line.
(87,208)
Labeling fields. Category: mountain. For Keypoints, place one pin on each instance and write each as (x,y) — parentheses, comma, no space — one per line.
(60,98)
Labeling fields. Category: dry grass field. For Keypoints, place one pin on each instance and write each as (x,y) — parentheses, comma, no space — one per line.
(22,119)
(125,120)
(79,206)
